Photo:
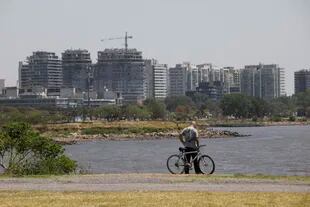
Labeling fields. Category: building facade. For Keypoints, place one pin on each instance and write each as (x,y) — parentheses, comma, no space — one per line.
(178,80)
(230,79)
(263,81)
(76,70)
(302,81)
(11,92)
(156,79)
(160,81)
(121,71)
(2,85)
(42,69)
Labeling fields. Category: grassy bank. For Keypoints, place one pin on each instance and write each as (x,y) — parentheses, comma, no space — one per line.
(170,199)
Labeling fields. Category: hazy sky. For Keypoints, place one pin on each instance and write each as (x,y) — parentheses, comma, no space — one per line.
(223,32)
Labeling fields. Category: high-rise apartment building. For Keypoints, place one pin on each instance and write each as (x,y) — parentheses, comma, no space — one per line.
(178,80)
(149,77)
(192,76)
(263,81)
(156,76)
(121,71)
(76,70)
(41,70)
(230,79)
(302,81)
(204,71)
(160,81)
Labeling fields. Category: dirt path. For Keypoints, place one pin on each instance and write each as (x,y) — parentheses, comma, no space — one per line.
(152,182)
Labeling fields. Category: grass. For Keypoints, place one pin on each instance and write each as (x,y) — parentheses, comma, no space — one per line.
(169,199)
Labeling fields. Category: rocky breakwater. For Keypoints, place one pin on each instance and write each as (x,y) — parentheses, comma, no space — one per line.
(203,134)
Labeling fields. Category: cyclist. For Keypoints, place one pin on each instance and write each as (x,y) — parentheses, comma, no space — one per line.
(189,138)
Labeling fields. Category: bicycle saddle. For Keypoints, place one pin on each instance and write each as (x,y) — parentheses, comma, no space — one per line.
(181,149)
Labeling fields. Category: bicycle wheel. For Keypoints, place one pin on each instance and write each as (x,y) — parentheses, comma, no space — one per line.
(175,164)
(206,164)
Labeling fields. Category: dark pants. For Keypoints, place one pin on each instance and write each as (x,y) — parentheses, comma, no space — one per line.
(196,163)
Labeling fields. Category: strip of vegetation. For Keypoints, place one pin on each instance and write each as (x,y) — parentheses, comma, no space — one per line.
(181,108)
(122,130)
(169,199)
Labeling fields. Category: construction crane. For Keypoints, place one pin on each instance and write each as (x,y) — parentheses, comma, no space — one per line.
(117,38)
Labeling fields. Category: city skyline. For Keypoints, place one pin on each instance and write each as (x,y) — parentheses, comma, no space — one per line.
(221,32)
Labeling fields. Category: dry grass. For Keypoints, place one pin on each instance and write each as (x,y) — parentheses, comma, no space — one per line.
(170,199)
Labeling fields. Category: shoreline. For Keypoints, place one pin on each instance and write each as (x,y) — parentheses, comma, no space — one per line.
(259,124)
(75,138)
(71,133)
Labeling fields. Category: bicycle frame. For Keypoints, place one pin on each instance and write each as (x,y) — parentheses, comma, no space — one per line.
(183,155)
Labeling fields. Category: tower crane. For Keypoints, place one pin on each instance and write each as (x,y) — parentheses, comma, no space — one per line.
(116,38)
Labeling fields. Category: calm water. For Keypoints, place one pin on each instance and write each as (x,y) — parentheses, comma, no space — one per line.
(270,150)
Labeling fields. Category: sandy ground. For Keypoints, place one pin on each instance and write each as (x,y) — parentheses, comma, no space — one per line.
(151,182)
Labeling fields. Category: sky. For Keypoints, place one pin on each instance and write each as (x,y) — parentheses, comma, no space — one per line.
(222,32)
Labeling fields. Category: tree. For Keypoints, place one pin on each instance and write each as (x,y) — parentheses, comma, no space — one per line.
(282,106)
(23,151)
(237,105)
(260,107)
(133,111)
(303,102)
(156,108)
(173,102)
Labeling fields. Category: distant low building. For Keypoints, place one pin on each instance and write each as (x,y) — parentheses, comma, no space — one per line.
(11,92)
(39,102)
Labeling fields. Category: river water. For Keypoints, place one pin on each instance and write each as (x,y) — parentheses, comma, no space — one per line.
(275,150)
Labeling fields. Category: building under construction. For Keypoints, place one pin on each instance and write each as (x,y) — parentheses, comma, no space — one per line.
(76,70)
(121,71)
(42,70)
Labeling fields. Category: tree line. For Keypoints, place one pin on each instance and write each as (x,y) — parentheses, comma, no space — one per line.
(196,106)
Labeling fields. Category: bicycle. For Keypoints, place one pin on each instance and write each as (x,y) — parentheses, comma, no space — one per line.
(177,162)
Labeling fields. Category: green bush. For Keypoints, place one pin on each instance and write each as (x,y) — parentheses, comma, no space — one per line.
(292,118)
(276,118)
(24,152)
(254,119)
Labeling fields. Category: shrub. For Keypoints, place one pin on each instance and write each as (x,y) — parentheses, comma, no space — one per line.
(292,118)
(276,118)
(23,151)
